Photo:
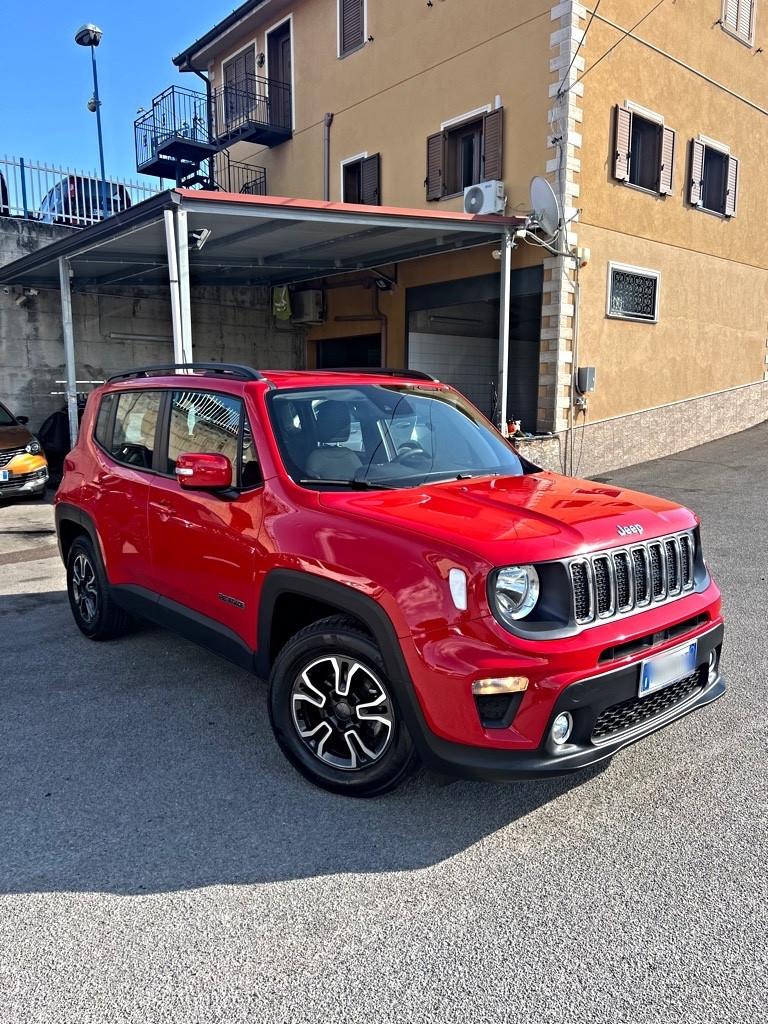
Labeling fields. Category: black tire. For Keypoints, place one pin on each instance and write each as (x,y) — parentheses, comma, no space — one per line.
(96,614)
(343,763)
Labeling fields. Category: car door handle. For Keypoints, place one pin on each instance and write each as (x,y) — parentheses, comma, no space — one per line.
(164,511)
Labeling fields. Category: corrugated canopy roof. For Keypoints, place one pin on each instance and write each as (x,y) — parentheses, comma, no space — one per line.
(254,240)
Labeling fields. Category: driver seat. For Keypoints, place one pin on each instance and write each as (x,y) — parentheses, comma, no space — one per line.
(332,461)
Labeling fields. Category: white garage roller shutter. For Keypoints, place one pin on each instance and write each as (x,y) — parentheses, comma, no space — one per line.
(467,364)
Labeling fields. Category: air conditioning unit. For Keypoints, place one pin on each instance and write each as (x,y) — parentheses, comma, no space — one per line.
(487,197)
(308,306)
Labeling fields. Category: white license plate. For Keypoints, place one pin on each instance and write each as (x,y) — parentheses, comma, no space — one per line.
(4,476)
(667,668)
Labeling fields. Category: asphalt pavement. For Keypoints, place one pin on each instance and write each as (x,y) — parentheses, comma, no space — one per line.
(161,862)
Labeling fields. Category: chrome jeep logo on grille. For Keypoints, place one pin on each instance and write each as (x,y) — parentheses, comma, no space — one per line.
(627,531)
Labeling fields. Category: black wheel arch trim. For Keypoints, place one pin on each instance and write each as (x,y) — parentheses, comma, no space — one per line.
(281,582)
(64,512)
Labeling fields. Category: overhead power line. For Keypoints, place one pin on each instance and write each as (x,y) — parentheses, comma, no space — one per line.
(619,41)
(561,90)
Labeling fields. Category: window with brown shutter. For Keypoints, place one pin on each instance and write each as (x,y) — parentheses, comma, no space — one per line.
(697,173)
(361,181)
(714,182)
(622,141)
(465,154)
(370,180)
(644,151)
(493,145)
(351,14)
(667,169)
(738,19)
(435,166)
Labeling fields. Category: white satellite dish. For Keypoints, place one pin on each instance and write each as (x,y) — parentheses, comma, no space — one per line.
(545,208)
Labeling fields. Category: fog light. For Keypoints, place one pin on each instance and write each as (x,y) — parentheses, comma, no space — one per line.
(561,728)
(505,684)
(712,673)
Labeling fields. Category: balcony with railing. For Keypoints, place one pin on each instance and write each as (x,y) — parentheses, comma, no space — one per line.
(175,135)
(247,179)
(253,109)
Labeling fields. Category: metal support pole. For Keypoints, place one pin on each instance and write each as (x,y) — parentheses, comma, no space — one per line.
(104,206)
(173,278)
(504,300)
(69,347)
(185,305)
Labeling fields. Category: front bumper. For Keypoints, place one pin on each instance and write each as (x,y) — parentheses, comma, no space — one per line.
(586,700)
(24,483)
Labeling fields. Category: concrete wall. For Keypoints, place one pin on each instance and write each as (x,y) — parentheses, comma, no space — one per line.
(117,329)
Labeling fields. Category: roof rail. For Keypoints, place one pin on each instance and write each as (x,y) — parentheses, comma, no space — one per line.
(383,371)
(203,369)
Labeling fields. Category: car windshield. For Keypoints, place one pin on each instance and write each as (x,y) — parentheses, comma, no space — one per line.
(380,436)
(6,420)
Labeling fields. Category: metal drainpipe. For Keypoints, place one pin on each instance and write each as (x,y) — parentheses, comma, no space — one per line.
(574,365)
(327,122)
(209,106)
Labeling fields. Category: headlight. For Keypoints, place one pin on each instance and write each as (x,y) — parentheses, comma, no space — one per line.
(34,447)
(516,592)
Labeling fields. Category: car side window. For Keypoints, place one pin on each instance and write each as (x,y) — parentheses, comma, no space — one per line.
(133,437)
(205,422)
(250,470)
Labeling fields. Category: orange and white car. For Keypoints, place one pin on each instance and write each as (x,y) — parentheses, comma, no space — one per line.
(23,466)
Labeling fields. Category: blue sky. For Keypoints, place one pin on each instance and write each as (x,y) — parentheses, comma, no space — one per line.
(45,78)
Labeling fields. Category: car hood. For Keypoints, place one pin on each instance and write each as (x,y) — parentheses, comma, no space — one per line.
(537,517)
(16,436)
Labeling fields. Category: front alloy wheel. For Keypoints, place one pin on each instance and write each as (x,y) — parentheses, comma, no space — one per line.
(342,712)
(334,712)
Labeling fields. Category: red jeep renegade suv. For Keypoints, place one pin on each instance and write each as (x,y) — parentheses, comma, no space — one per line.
(411,586)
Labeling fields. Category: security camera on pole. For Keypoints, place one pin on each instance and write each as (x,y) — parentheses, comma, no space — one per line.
(90,35)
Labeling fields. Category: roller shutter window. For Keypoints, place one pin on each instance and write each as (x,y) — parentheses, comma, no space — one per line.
(493,145)
(435,180)
(622,134)
(738,18)
(351,25)
(732,187)
(667,168)
(370,180)
(696,184)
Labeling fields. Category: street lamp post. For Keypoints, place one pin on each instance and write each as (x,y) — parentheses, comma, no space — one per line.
(90,35)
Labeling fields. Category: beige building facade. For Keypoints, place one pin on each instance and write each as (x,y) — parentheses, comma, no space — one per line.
(650,120)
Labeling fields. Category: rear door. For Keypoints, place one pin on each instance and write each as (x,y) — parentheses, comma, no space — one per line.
(126,435)
(205,552)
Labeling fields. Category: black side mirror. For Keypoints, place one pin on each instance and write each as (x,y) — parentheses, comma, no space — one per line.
(23,420)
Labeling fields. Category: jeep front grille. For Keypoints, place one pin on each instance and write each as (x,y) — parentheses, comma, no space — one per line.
(620,581)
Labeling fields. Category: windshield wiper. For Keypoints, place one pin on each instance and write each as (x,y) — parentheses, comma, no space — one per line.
(354,485)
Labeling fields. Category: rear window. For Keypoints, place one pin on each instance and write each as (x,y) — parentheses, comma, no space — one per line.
(133,436)
(104,420)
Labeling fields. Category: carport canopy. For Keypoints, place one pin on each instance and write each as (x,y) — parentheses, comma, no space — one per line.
(183,237)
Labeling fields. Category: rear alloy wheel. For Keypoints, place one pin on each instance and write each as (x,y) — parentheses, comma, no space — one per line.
(94,611)
(333,711)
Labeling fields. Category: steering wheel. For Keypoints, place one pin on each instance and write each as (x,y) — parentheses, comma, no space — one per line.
(414,457)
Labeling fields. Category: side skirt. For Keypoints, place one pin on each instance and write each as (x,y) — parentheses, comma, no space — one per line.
(177,618)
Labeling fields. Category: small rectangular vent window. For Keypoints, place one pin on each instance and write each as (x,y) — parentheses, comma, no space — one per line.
(633,293)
